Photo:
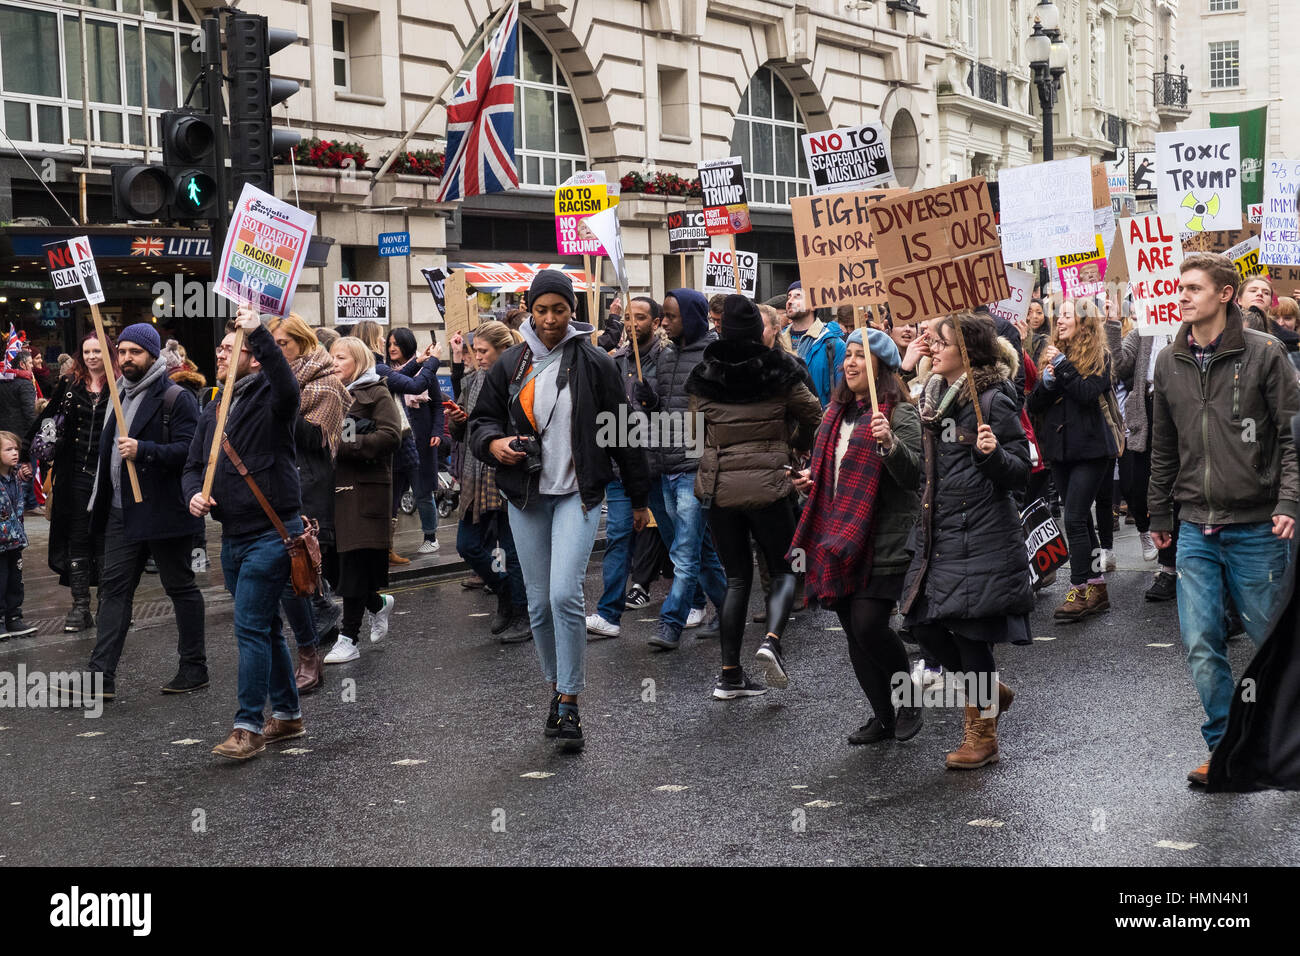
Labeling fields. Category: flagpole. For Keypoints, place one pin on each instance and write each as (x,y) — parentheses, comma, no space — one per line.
(437,97)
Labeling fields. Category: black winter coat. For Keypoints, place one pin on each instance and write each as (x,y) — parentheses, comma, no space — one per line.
(17,405)
(597,395)
(969,556)
(673,368)
(1071,426)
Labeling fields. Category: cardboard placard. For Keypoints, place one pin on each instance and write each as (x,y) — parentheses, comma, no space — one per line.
(939,250)
(1286,279)
(357,301)
(686,231)
(73,274)
(1199,186)
(1154,255)
(1279,238)
(726,208)
(1047,209)
(456,315)
(719,277)
(575,201)
(843,160)
(1015,307)
(1100,187)
(264,252)
(837,254)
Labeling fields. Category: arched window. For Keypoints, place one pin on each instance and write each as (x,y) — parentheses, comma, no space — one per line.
(549,146)
(767,139)
(905,148)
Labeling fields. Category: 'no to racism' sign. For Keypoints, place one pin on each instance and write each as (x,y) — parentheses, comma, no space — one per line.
(848,159)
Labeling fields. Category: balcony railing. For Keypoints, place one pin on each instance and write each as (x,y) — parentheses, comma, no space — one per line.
(1170,89)
(987,83)
(1116,130)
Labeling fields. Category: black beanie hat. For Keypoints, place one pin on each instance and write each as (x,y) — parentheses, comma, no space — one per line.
(551,280)
(741,319)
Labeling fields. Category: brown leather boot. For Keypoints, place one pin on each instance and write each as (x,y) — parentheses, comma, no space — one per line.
(1005,696)
(979,745)
(1075,606)
(277,729)
(1096,600)
(393,556)
(309,674)
(240,745)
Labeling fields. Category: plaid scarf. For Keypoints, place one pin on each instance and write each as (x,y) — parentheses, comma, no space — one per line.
(836,526)
(324,400)
(478,482)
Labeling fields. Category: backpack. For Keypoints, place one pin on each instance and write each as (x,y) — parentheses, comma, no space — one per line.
(169,402)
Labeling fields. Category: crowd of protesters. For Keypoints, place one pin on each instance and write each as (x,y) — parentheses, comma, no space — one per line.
(876,470)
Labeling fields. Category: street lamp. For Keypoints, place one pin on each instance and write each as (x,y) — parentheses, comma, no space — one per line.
(1047,56)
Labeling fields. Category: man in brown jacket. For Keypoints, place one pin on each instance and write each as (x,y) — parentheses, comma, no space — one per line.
(1221,446)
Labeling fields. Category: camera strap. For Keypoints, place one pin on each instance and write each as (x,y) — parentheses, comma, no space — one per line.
(523,375)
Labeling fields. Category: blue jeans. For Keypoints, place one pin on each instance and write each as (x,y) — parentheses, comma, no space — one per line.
(298,614)
(475,542)
(555,540)
(695,562)
(1251,560)
(617,563)
(256,570)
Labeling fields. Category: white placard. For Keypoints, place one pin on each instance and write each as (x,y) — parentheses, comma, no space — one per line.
(1015,307)
(360,301)
(1046,209)
(1279,240)
(1199,184)
(1153,255)
(720,277)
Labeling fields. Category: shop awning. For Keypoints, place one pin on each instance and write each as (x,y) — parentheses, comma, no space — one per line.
(513,276)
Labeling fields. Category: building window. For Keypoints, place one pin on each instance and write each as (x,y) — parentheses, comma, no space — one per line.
(905,148)
(1224,64)
(767,138)
(341,80)
(41,75)
(674,103)
(1219,6)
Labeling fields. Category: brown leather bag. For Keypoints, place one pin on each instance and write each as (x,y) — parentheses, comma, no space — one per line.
(304,550)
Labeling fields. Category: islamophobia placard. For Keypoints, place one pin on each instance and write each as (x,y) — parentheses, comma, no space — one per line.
(73,274)
(939,250)
(1015,307)
(355,301)
(726,208)
(686,231)
(720,277)
(1047,209)
(1199,182)
(837,255)
(1153,254)
(1279,240)
(264,252)
(841,160)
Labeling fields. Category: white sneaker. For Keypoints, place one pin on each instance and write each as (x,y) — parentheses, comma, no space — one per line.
(924,677)
(599,626)
(695,618)
(344,650)
(379,619)
(429,547)
(1149,550)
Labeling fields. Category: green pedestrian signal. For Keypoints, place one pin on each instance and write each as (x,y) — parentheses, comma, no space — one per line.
(194,193)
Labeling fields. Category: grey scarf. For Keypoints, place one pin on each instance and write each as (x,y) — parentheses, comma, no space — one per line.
(130,393)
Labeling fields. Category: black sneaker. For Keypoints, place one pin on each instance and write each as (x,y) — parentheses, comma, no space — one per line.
(712,628)
(636,597)
(552,728)
(1163,588)
(666,637)
(769,655)
(17,627)
(736,683)
(183,684)
(520,629)
(569,736)
(872,732)
(907,722)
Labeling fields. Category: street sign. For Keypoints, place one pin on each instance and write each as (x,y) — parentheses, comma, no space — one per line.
(394,243)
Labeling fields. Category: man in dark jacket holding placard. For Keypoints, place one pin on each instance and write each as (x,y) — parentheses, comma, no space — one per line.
(260,424)
(160,421)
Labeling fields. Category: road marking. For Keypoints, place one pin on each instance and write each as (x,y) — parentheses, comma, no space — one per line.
(1044,638)
(821,804)
(186,741)
(92,733)
(835,629)
(408,762)
(1160,645)
(798,786)
(1175,845)
(672,788)
(296,750)
(138,783)
(986,822)
(4,728)
(536,775)
(480,614)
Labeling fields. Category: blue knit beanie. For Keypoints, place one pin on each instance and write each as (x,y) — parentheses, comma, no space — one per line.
(880,344)
(144,335)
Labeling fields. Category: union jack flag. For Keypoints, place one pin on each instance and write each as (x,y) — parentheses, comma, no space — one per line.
(146,246)
(481,121)
(16,342)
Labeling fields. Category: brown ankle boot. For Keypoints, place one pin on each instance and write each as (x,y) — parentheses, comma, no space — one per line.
(1096,600)
(1005,696)
(393,556)
(979,745)
(1075,606)
(310,671)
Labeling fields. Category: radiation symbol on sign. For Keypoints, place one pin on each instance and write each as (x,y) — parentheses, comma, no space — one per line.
(1199,209)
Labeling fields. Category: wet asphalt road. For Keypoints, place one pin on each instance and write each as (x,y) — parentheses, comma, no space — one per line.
(440,758)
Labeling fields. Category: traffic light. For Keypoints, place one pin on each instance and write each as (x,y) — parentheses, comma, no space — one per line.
(189,158)
(253,141)
(141,192)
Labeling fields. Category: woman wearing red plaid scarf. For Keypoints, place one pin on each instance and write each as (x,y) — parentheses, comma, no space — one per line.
(862,504)
(968,584)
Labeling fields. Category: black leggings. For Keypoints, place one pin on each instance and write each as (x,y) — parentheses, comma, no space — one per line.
(1134,474)
(352,609)
(773,529)
(958,654)
(1078,482)
(875,650)
(1105,508)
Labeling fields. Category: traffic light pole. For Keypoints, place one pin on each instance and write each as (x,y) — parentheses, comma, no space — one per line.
(216,106)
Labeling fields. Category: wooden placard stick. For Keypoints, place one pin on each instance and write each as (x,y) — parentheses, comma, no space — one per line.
(232,367)
(871,370)
(965,363)
(681,278)
(117,399)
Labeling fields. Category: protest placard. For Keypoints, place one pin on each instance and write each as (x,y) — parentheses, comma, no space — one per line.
(264,252)
(686,231)
(73,274)
(1279,239)
(1015,307)
(1044,542)
(437,280)
(604,228)
(1153,254)
(719,275)
(1199,183)
(573,203)
(726,208)
(1117,173)
(356,301)
(939,251)
(1255,211)
(456,315)
(1047,209)
(1245,256)
(1081,273)
(837,255)
(841,160)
